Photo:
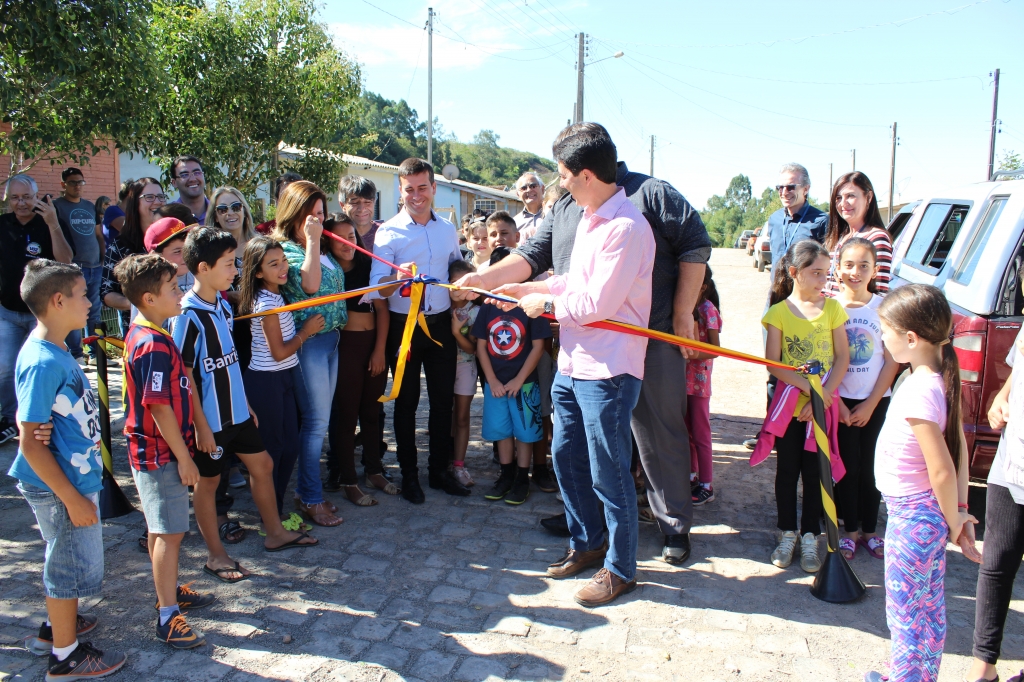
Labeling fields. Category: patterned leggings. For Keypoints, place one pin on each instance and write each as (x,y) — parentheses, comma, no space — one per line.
(915,605)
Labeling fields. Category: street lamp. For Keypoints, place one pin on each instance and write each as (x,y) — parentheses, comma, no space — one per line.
(578,114)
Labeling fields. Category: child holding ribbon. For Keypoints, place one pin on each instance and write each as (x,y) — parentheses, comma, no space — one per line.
(921,469)
(802,326)
(865,397)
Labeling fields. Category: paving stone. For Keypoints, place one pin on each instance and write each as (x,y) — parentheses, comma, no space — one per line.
(508,624)
(610,638)
(360,563)
(374,629)
(335,621)
(445,594)
(477,545)
(402,609)
(477,668)
(554,633)
(386,655)
(193,666)
(488,600)
(472,580)
(417,637)
(435,560)
(433,665)
(814,669)
(534,672)
(459,530)
(782,644)
(297,668)
(455,617)
(288,612)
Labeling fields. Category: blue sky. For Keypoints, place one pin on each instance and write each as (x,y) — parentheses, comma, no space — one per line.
(725,87)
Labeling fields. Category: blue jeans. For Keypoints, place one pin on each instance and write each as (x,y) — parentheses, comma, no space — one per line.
(93,277)
(73,567)
(318,358)
(14,329)
(592,450)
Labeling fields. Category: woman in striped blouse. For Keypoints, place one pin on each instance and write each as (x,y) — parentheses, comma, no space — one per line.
(853,211)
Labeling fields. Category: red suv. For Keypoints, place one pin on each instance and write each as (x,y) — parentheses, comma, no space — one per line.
(970,244)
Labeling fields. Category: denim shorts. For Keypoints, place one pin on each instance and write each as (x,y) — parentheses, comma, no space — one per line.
(73,568)
(517,415)
(164,499)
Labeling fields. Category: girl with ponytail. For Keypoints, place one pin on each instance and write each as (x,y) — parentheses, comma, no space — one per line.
(921,471)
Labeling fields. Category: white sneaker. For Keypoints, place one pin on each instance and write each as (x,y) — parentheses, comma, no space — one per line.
(783,554)
(462,476)
(809,560)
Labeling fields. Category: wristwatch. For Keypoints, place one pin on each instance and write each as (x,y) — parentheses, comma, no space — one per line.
(549,305)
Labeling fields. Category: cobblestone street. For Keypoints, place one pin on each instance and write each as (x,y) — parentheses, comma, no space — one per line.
(455,589)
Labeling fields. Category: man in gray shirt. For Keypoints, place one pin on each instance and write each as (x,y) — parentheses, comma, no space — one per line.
(87,232)
(682,250)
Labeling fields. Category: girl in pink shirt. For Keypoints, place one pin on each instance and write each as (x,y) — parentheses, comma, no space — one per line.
(698,393)
(921,472)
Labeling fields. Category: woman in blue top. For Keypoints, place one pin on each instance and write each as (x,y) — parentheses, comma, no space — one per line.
(300,216)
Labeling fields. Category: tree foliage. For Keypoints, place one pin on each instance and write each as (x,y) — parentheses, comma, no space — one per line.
(242,76)
(72,73)
(1011,161)
(485,162)
(726,216)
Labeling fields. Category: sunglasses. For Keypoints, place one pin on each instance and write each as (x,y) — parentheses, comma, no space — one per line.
(75,183)
(150,198)
(788,188)
(532,185)
(235,207)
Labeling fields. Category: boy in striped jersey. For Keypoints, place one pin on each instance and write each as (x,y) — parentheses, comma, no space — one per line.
(160,435)
(225,423)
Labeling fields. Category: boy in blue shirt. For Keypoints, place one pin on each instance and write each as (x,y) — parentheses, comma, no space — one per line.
(62,482)
(225,424)
(509,346)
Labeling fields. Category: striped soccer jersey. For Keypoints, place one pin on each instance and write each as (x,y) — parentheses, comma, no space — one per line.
(203,334)
(154,375)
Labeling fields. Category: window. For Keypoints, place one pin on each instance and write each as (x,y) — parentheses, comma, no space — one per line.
(899,221)
(939,228)
(488,205)
(965,271)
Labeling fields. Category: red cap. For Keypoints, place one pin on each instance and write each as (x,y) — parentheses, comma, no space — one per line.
(161,231)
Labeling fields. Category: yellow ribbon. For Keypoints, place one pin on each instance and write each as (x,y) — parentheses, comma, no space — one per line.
(414,317)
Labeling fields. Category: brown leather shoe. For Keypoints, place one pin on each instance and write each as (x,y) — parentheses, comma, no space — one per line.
(603,588)
(573,562)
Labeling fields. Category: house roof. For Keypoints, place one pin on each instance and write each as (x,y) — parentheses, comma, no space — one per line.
(473,188)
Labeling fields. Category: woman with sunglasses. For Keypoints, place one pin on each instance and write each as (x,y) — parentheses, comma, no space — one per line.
(142,203)
(853,212)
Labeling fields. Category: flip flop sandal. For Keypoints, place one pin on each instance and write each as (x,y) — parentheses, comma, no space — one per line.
(218,573)
(645,516)
(641,499)
(231,528)
(144,543)
(291,544)
(875,546)
(847,548)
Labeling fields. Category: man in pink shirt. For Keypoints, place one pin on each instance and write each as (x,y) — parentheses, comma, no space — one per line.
(599,372)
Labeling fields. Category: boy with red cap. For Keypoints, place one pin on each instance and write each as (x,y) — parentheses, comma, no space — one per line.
(166,237)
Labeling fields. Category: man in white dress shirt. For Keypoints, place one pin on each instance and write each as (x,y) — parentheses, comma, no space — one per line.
(418,235)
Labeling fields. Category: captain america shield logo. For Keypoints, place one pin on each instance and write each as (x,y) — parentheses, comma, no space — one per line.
(506,336)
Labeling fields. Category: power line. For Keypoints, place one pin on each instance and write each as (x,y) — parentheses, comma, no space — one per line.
(754,106)
(800,39)
(568,21)
(543,24)
(482,4)
(460,39)
(631,64)
(792,82)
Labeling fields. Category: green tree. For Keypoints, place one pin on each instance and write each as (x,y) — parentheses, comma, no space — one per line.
(242,76)
(1011,161)
(72,73)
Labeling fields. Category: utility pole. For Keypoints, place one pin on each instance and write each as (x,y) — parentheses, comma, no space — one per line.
(430,85)
(992,139)
(652,156)
(892,172)
(854,152)
(579,80)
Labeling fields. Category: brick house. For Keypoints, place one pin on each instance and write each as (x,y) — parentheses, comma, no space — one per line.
(102,174)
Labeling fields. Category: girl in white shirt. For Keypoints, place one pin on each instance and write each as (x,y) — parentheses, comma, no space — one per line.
(273,381)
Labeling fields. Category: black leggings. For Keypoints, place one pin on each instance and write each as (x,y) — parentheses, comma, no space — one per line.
(1004,545)
(794,462)
(856,493)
